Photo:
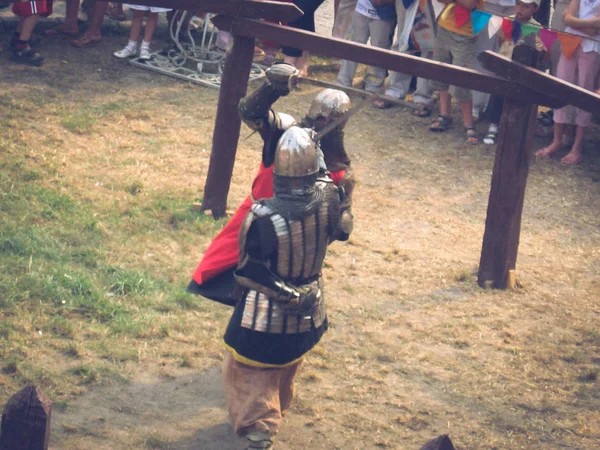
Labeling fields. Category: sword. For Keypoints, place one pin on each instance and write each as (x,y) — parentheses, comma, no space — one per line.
(341,119)
(351,90)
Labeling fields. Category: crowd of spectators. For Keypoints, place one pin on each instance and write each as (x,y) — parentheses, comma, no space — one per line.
(399,25)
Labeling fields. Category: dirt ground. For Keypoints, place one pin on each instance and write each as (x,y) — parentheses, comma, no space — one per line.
(416,349)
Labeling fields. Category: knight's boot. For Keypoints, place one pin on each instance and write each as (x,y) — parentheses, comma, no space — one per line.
(259,440)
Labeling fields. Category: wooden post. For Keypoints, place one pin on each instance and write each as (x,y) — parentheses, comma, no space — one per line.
(234,84)
(26,421)
(509,179)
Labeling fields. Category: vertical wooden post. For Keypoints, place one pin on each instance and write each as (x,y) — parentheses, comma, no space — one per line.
(234,84)
(509,179)
(26,421)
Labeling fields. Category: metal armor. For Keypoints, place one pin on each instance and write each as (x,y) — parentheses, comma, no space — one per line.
(283,242)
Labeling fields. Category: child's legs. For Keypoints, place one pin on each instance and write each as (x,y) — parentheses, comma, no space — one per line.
(360,34)
(150,26)
(463,52)
(566,71)
(588,65)
(136,25)
(441,53)
(26,26)
(380,32)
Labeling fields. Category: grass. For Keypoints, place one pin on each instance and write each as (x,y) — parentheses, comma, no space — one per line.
(59,278)
(98,240)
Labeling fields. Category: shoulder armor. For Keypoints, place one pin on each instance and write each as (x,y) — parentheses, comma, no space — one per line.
(260,209)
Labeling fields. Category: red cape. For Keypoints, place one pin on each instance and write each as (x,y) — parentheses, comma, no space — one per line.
(222,254)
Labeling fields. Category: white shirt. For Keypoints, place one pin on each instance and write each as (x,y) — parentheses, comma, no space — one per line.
(588,9)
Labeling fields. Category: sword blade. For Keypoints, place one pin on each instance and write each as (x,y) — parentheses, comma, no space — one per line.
(351,90)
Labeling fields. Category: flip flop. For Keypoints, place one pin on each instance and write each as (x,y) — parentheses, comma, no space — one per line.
(85,41)
(58,32)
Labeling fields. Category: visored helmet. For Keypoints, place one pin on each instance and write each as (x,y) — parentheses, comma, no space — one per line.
(296,154)
(329,104)
(295,167)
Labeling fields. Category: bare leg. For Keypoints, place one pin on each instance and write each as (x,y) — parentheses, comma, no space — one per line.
(468,120)
(72,10)
(26,26)
(293,60)
(150,26)
(575,156)
(93,30)
(445,100)
(136,25)
(546,152)
(302,63)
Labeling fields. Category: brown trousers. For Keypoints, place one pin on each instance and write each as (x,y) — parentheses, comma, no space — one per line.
(256,398)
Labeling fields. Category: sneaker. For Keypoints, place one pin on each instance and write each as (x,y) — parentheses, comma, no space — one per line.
(145,54)
(127,52)
(27,56)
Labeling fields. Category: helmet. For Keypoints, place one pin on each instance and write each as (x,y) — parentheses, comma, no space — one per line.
(329,103)
(296,154)
(295,167)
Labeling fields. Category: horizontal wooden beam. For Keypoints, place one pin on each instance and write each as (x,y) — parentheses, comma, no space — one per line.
(400,62)
(252,9)
(557,89)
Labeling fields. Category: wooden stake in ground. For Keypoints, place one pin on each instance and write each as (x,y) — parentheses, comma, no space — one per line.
(509,179)
(234,85)
(26,421)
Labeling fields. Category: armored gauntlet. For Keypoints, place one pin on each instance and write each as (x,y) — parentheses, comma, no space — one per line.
(282,77)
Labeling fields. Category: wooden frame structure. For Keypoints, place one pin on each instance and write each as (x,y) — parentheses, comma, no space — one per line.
(522,86)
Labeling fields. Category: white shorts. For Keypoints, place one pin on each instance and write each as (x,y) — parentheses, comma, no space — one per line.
(153,9)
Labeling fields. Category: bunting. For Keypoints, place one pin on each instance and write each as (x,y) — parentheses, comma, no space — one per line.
(516,31)
(548,37)
(569,44)
(480,20)
(507,26)
(494,25)
(527,29)
(461,15)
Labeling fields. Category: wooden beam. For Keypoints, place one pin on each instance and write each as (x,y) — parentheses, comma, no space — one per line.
(400,62)
(234,84)
(26,421)
(507,192)
(532,78)
(268,10)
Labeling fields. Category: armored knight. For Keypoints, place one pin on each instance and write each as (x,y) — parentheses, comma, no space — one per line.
(281,312)
(213,277)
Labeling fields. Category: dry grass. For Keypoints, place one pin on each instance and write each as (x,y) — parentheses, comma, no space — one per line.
(415,348)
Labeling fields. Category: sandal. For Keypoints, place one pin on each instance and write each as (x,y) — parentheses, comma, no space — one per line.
(490,137)
(471,134)
(86,41)
(381,103)
(441,124)
(424,111)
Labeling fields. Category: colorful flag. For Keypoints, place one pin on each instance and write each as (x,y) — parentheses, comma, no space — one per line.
(569,44)
(516,31)
(480,19)
(548,37)
(461,15)
(494,25)
(507,27)
(527,29)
